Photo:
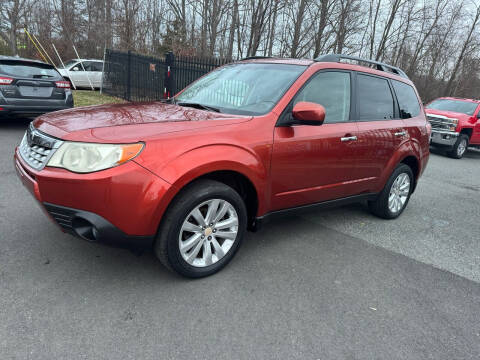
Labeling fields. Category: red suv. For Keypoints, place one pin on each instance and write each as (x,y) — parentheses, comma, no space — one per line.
(247,141)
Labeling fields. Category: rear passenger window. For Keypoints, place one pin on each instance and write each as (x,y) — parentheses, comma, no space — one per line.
(374,98)
(407,100)
(96,66)
(87,65)
(331,89)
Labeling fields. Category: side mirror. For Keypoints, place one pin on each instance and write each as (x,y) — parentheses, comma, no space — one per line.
(75,68)
(308,113)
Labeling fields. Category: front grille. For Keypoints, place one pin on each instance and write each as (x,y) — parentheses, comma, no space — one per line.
(440,122)
(37,148)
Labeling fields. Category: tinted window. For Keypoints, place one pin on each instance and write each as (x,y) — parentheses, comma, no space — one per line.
(245,88)
(332,90)
(28,70)
(88,65)
(407,100)
(464,107)
(96,66)
(374,98)
(92,66)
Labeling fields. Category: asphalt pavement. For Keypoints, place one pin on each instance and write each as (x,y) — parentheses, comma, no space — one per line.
(332,284)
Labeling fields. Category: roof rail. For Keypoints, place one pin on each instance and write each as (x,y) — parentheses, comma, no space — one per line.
(379,65)
(256,57)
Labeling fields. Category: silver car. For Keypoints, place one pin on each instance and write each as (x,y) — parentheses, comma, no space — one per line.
(83,73)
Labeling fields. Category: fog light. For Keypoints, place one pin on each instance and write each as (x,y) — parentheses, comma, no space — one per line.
(84,229)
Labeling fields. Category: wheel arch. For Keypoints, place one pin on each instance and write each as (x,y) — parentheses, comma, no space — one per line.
(243,171)
(409,154)
(240,183)
(413,163)
(468,132)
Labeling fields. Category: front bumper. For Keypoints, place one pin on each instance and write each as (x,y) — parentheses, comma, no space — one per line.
(443,138)
(94,228)
(121,206)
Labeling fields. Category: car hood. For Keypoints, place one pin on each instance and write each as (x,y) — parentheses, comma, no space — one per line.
(114,122)
(449,114)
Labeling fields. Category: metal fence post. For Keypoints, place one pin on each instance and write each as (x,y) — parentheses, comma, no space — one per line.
(129,70)
(169,89)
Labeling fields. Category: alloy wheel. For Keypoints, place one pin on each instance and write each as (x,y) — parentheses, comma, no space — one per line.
(208,232)
(462,146)
(399,193)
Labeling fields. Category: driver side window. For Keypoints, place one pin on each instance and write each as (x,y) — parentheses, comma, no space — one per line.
(330,89)
(77,66)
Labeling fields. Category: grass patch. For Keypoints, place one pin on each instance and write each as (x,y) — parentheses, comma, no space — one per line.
(88,97)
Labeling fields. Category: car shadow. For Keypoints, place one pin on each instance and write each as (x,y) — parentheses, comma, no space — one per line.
(112,264)
(471,153)
(15,123)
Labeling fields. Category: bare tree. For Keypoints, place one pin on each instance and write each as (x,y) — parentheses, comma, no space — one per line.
(12,14)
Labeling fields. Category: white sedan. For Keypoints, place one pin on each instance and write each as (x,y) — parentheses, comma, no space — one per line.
(83,72)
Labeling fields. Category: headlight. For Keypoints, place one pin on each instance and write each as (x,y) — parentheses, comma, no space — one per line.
(89,157)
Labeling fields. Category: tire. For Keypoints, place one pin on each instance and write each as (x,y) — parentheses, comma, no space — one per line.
(380,206)
(460,147)
(181,226)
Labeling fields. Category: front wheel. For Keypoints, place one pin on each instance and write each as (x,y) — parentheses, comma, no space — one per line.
(394,197)
(202,229)
(460,147)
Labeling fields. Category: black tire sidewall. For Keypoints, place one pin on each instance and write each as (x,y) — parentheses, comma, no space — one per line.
(399,170)
(379,206)
(454,153)
(182,207)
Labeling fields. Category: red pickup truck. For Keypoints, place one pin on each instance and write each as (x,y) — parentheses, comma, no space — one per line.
(455,124)
(247,141)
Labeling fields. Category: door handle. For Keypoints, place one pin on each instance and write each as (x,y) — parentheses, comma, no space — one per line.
(348,138)
(401,133)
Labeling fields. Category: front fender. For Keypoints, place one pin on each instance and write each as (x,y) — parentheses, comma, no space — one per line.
(200,161)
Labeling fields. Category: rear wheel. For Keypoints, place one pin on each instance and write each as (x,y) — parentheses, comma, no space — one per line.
(394,197)
(460,147)
(202,229)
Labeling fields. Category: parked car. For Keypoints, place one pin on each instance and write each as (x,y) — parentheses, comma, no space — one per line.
(248,141)
(30,87)
(455,124)
(83,73)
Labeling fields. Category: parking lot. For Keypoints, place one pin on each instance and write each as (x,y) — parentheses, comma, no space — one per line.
(331,284)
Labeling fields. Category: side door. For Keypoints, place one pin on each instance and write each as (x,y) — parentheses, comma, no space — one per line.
(77,75)
(95,73)
(380,129)
(316,163)
(412,115)
(89,73)
(476,128)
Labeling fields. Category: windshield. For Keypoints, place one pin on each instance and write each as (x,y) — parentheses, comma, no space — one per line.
(27,70)
(244,89)
(464,107)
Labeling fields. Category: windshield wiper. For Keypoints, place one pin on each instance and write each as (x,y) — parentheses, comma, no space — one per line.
(198,106)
